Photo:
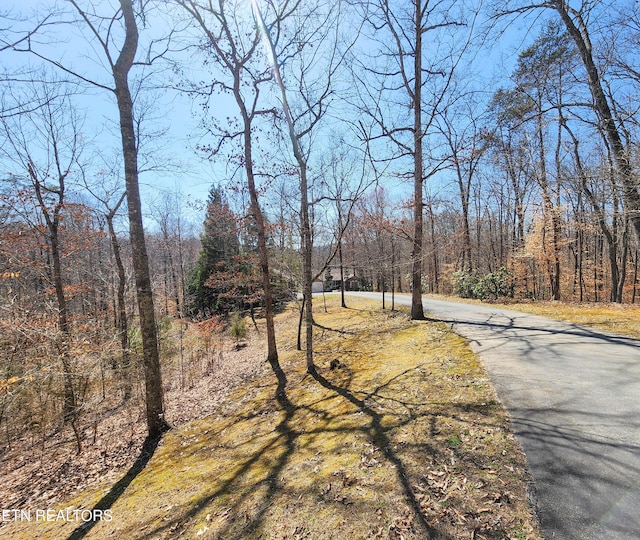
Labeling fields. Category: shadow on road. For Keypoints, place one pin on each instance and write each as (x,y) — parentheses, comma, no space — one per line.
(601,473)
(567,329)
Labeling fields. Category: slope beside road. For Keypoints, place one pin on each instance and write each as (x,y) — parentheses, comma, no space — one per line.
(573,394)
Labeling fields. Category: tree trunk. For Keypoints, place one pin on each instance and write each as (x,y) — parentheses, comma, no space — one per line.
(300,319)
(156,423)
(610,233)
(305,222)
(122,322)
(236,64)
(393,276)
(417,311)
(435,266)
(463,187)
(272,351)
(550,212)
(635,277)
(172,271)
(623,264)
(307,276)
(340,259)
(256,212)
(52,222)
(69,403)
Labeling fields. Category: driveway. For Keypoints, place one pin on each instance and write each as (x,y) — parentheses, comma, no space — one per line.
(573,394)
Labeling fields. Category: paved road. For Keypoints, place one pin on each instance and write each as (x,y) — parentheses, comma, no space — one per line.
(573,394)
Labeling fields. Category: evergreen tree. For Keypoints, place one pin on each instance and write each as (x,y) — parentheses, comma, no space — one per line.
(220,245)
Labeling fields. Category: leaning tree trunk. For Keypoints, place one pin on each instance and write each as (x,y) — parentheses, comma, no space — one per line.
(578,31)
(305,223)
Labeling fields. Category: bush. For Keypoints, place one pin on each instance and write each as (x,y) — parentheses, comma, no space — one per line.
(464,284)
(238,327)
(494,285)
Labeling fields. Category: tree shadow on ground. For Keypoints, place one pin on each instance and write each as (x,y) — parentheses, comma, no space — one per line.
(286,438)
(105,503)
(329,329)
(262,473)
(379,437)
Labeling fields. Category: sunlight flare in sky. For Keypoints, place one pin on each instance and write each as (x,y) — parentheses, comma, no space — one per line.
(264,31)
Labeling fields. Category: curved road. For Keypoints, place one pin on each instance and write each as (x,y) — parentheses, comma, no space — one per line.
(573,394)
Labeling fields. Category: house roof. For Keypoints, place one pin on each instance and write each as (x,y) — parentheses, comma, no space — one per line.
(349,272)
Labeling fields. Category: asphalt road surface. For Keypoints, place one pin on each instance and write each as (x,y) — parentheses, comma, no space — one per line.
(573,394)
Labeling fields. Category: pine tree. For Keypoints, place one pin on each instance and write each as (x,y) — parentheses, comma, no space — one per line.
(220,245)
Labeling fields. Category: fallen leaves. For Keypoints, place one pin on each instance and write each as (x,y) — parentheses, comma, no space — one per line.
(54,471)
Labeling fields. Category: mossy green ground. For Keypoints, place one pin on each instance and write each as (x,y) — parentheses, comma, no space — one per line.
(404,438)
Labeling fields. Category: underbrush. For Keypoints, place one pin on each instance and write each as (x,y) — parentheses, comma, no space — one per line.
(43,460)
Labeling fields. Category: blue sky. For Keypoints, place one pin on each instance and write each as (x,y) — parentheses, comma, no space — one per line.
(188,172)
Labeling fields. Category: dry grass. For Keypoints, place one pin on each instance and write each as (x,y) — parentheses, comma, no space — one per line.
(617,318)
(404,438)
(621,319)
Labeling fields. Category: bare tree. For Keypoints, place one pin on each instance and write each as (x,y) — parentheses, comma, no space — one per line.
(408,76)
(609,230)
(508,145)
(111,198)
(540,78)
(120,68)
(315,55)
(466,145)
(236,53)
(345,177)
(45,144)
(580,23)
(167,213)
